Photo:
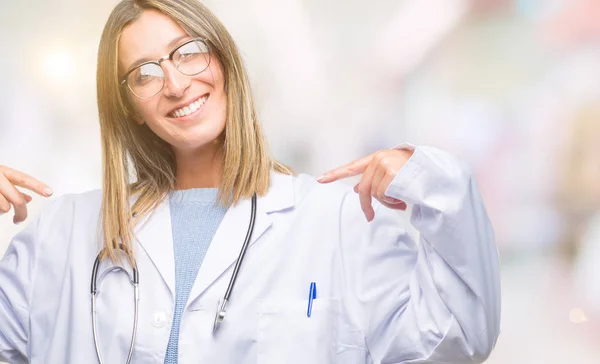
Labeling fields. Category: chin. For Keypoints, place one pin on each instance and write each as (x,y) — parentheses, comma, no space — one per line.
(197,144)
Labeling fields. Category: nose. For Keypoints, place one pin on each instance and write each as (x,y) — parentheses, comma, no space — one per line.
(175,82)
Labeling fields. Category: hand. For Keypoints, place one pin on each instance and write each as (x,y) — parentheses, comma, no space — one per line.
(9,195)
(379,170)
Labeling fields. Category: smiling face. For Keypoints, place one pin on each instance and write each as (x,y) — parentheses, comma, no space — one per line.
(189,112)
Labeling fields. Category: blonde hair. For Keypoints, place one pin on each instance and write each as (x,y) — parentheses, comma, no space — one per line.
(133,150)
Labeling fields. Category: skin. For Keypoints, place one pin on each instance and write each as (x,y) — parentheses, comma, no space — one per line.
(10,196)
(196,139)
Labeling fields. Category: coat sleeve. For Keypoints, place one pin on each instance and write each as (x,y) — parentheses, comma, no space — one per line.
(17,272)
(431,300)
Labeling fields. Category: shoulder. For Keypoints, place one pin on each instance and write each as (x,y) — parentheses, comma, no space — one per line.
(80,202)
(304,193)
(305,185)
(68,208)
(339,198)
(53,238)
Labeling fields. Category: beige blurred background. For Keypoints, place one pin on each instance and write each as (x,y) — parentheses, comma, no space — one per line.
(510,86)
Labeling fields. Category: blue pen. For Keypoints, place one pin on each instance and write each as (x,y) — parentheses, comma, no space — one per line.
(312,294)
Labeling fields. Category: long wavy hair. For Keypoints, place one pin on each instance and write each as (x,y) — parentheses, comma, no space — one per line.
(138,166)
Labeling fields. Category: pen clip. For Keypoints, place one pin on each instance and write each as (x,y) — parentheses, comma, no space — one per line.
(312,294)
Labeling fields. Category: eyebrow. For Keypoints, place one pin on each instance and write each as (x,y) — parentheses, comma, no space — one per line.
(171,45)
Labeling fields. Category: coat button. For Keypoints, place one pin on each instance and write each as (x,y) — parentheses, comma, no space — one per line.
(159,319)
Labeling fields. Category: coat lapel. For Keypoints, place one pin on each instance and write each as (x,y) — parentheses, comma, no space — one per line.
(155,235)
(156,238)
(229,238)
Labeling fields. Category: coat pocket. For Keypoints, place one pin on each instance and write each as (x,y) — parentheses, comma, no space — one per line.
(287,335)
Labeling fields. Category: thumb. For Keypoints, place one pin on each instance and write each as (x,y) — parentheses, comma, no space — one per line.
(393,203)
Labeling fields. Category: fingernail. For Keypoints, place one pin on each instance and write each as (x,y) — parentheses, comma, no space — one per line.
(391,200)
(16,222)
(47,191)
(321,178)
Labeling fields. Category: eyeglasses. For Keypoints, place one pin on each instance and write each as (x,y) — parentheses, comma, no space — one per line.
(148,79)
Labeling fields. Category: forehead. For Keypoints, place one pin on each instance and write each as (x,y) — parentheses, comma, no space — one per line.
(148,38)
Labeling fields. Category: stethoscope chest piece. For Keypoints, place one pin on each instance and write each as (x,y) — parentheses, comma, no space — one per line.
(220,315)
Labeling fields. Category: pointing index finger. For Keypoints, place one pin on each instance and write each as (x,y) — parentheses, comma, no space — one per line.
(351,169)
(23,180)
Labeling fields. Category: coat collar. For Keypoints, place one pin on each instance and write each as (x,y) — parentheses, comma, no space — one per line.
(155,234)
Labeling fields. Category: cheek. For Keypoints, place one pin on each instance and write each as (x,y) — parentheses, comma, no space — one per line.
(221,96)
(220,111)
(221,105)
(145,111)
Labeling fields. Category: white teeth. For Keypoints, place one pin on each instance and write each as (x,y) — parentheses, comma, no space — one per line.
(193,107)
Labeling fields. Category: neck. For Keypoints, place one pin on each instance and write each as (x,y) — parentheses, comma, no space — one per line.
(199,168)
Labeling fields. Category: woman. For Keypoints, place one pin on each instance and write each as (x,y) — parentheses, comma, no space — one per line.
(319,283)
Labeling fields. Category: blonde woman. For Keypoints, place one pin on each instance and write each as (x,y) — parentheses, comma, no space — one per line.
(217,253)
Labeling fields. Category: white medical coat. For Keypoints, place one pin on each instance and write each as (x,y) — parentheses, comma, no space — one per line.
(382,296)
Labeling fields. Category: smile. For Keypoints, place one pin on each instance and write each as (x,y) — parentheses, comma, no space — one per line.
(189,109)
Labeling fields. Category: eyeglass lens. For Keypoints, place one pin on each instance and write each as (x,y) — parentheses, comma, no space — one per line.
(148,79)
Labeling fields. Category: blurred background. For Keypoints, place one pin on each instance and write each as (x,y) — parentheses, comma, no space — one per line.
(510,86)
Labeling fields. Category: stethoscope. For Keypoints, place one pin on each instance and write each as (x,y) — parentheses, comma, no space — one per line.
(135,280)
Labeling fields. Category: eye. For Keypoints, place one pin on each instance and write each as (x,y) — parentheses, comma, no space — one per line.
(142,79)
(190,51)
(145,74)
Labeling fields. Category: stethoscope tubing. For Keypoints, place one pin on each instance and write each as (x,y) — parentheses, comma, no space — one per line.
(221,309)
(136,297)
(222,304)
